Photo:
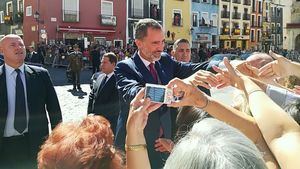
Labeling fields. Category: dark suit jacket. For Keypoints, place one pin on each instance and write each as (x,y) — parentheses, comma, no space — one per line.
(40,96)
(132,75)
(36,58)
(106,101)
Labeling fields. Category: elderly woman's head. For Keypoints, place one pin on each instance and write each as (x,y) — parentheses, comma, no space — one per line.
(213,144)
(86,145)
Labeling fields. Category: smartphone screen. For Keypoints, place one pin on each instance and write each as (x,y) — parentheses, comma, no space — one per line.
(156,94)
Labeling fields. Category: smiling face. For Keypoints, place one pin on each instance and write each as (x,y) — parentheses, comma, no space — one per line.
(152,45)
(182,53)
(13,49)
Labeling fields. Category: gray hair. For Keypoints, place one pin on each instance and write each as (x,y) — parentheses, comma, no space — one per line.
(293,109)
(178,41)
(212,144)
(143,25)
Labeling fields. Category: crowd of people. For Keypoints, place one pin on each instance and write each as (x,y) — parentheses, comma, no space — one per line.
(126,129)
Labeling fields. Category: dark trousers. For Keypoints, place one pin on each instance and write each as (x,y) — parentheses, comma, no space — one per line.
(76,79)
(15,153)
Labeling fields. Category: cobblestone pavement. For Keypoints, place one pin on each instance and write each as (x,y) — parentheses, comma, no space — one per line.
(73,103)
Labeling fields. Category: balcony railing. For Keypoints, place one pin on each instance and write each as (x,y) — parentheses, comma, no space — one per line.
(226,0)
(215,2)
(246,17)
(247,2)
(236,31)
(236,15)
(224,31)
(225,14)
(246,31)
(177,21)
(236,1)
(70,16)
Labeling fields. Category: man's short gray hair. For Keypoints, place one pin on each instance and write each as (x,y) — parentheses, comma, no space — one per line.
(143,25)
(178,41)
(213,144)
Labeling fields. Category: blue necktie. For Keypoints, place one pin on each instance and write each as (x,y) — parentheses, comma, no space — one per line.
(20,107)
(103,83)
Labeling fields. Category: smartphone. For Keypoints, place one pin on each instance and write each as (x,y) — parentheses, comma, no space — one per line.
(159,93)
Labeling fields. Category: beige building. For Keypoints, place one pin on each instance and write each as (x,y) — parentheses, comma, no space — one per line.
(293,28)
(234,23)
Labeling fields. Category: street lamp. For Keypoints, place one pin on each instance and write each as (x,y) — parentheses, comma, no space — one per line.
(36,16)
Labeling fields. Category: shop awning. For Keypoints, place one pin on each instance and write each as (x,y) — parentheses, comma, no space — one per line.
(84,30)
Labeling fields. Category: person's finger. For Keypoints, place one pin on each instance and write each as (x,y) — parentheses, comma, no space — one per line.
(217,69)
(265,69)
(273,55)
(229,66)
(222,85)
(140,94)
(202,83)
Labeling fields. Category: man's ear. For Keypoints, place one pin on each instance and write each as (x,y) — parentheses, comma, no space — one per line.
(139,43)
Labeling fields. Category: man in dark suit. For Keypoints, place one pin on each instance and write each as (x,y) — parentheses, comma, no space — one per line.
(149,65)
(34,56)
(25,92)
(104,97)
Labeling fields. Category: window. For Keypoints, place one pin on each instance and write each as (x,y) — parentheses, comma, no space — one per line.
(253,5)
(177,20)
(118,44)
(252,36)
(214,20)
(20,6)
(137,9)
(107,8)
(205,1)
(9,8)
(204,18)
(28,10)
(258,35)
(1,17)
(253,20)
(195,19)
(214,39)
(154,10)
(71,10)
(259,21)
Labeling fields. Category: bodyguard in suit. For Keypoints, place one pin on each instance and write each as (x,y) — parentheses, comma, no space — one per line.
(34,56)
(25,94)
(149,65)
(104,98)
(75,65)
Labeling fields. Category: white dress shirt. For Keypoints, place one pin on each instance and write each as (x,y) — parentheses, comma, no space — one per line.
(11,75)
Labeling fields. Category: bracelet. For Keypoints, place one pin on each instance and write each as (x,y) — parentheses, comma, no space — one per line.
(135,147)
(206,103)
(253,91)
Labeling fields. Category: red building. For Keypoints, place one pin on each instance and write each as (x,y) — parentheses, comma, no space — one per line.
(75,21)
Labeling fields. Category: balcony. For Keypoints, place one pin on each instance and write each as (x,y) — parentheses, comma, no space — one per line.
(19,17)
(177,21)
(246,31)
(236,15)
(246,17)
(266,19)
(8,19)
(224,31)
(225,14)
(236,1)
(247,2)
(70,16)
(226,0)
(236,31)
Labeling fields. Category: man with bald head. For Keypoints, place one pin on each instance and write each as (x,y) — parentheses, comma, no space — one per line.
(181,50)
(25,94)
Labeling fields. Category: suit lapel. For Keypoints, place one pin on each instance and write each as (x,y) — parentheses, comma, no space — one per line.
(3,100)
(29,75)
(161,73)
(98,82)
(143,69)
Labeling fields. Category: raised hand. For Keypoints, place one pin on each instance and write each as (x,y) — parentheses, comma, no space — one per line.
(190,95)
(279,67)
(139,111)
(203,78)
(163,145)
